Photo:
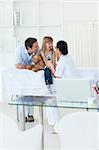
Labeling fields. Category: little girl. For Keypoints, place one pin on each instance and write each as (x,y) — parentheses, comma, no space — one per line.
(48,55)
(47,50)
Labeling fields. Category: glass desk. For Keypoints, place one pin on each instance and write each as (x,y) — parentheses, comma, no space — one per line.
(46,101)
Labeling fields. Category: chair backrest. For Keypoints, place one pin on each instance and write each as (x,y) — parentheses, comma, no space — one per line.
(12,137)
(89,73)
(79,131)
(72,89)
(15,81)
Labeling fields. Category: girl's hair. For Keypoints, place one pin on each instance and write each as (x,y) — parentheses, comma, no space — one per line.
(63,47)
(46,39)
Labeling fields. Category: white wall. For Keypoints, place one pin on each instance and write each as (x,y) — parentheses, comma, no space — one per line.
(80,10)
(50,19)
(38,19)
(29,26)
(7,40)
(80,25)
(76,21)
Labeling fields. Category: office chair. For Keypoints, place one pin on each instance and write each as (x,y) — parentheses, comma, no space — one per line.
(79,131)
(12,137)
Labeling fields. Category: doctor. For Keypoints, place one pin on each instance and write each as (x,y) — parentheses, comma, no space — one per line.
(23,59)
(65,67)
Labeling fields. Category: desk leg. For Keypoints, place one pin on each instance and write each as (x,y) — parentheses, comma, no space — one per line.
(42,122)
(22,117)
(17,109)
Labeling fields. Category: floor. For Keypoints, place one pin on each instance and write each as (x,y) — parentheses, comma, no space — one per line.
(51,140)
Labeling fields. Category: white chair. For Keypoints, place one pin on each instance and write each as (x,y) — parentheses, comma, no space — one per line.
(12,138)
(89,73)
(79,131)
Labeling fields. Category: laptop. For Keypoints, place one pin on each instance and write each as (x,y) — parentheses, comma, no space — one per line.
(77,90)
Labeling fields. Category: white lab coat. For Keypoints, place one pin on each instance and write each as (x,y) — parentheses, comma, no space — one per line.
(52,113)
(65,67)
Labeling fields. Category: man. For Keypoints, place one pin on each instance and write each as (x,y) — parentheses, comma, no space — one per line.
(24,54)
(23,59)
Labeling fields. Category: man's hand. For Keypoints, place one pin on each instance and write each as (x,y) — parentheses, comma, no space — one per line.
(20,66)
(29,67)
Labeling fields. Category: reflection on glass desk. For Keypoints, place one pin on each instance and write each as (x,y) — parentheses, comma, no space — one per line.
(46,101)
(50,101)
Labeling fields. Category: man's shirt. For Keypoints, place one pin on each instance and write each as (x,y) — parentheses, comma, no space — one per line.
(23,57)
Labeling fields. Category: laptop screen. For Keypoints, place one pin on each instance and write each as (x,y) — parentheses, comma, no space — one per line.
(72,89)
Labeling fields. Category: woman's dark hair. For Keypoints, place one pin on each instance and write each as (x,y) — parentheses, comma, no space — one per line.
(29,42)
(63,47)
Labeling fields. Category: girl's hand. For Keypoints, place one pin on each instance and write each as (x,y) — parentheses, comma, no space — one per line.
(50,66)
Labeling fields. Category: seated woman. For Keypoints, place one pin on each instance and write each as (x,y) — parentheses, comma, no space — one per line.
(65,66)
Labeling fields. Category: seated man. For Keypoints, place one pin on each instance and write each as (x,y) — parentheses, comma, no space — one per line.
(23,59)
